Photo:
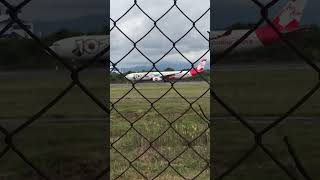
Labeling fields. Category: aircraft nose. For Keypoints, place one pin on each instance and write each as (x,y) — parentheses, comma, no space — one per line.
(129,76)
(55,47)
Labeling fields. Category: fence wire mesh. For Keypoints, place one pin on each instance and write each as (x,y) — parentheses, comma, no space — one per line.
(74,75)
(299,172)
(13,11)
(167,160)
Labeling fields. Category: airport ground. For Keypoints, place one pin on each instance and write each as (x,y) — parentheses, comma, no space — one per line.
(72,132)
(67,142)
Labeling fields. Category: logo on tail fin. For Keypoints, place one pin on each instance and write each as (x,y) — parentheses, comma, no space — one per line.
(200,67)
(287,21)
(290,16)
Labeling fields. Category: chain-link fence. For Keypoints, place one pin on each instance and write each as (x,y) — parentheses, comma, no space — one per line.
(164,129)
(260,136)
(10,144)
(191,144)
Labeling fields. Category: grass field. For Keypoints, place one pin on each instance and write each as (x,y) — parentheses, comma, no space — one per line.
(233,141)
(60,150)
(25,93)
(70,145)
(267,93)
(152,125)
(76,149)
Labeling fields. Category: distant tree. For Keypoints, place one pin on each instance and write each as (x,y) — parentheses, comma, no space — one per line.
(169,69)
(314,27)
(104,29)
(129,72)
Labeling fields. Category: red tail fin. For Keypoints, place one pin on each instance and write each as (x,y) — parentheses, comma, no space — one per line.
(288,20)
(290,16)
(199,68)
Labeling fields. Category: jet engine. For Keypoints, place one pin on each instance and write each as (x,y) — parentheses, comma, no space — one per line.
(156,79)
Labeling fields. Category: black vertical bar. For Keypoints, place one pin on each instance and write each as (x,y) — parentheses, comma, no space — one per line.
(108,90)
(211,125)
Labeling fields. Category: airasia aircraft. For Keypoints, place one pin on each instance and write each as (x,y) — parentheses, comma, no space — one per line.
(167,75)
(288,21)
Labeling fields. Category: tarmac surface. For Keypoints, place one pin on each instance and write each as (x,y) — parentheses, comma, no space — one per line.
(256,119)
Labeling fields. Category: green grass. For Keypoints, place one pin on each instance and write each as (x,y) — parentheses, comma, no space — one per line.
(266,92)
(25,93)
(62,150)
(233,141)
(77,150)
(190,126)
(250,93)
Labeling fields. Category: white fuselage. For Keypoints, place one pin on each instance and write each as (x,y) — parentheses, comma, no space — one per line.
(87,47)
(157,76)
(82,47)
(220,44)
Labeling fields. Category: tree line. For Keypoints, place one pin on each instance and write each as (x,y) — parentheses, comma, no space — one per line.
(20,53)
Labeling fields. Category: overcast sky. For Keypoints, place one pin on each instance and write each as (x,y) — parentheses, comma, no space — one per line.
(53,10)
(135,25)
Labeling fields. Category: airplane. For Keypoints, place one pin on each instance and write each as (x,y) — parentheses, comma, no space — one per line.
(81,48)
(288,21)
(168,75)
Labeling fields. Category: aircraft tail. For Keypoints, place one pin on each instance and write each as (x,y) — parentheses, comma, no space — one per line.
(200,67)
(290,16)
(287,21)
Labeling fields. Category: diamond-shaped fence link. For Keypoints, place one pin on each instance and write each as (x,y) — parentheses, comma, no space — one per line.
(150,144)
(260,134)
(167,167)
(13,11)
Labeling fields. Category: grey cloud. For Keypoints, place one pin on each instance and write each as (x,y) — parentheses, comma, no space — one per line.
(135,24)
(224,13)
(50,10)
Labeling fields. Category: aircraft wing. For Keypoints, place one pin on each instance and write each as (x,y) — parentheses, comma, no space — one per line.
(167,76)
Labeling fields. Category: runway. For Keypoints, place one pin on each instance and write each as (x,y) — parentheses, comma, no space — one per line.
(251,119)
(268,119)
(216,67)
(261,66)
